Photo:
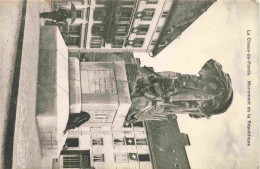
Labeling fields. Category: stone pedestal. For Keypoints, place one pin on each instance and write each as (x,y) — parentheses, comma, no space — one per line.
(52,93)
(104,93)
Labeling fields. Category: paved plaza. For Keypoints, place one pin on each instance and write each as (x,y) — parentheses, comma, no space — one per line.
(26,147)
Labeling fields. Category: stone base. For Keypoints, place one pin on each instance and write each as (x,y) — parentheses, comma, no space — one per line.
(52,92)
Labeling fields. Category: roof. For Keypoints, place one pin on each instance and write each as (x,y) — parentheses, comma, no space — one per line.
(181,16)
(167,144)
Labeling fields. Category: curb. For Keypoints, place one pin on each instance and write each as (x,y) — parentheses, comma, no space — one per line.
(9,139)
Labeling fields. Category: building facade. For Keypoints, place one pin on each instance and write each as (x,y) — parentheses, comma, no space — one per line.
(116,26)
(129,25)
(107,147)
(141,145)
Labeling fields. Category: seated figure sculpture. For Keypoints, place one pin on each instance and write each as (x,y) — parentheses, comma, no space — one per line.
(157,95)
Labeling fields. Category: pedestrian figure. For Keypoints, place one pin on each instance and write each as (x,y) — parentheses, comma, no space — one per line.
(76,120)
(61,15)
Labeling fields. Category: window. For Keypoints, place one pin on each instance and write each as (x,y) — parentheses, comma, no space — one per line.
(72,142)
(97,29)
(144,157)
(141,141)
(124,14)
(142,29)
(72,161)
(164,14)
(96,42)
(73,41)
(127,2)
(152,2)
(76,159)
(148,14)
(133,156)
(122,29)
(98,158)
(74,29)
(127,125)
(99,14)
(79,12)
(117,43)
(138,124)
(121,157)
(97,141)
(119,141)
(138,42)
(130,141)
(153,42)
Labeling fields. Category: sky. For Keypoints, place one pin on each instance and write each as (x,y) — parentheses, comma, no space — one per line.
(220,34)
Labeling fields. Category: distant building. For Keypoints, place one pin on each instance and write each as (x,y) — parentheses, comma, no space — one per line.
(129,25)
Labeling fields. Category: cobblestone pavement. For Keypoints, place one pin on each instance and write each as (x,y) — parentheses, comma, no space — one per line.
(26,150)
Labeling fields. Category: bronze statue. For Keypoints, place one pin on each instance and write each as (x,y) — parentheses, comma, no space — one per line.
(157,95)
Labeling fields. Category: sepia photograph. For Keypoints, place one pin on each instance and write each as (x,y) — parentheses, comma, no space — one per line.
(129,84)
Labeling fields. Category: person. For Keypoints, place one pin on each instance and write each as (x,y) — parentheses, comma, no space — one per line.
(59,16)
(76,120)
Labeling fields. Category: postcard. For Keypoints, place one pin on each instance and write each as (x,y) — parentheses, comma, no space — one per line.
(129,84)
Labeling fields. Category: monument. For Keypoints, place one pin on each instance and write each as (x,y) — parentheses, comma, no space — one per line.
(96,97)
(157,95)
